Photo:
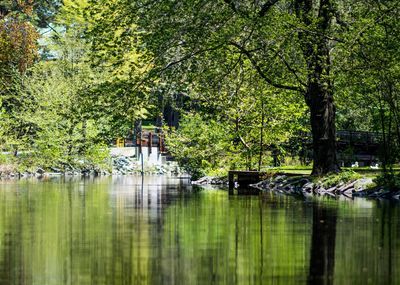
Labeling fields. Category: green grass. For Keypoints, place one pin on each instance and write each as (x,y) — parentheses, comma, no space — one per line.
(149,127)
(295,171)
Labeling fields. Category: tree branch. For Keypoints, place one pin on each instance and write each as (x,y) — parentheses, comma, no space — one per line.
(261,72)
(292,70)
(188,56)
(265,8)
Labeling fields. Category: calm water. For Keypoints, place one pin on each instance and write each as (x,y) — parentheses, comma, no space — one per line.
(161,231)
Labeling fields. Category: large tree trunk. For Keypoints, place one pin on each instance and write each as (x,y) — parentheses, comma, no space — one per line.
(322,110)
(314,41)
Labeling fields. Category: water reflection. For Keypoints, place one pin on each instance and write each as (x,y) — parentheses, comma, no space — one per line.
(123,230)
(323,240)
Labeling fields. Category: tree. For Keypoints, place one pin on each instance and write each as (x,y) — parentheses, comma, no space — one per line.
(370,76)
(18,48)
(116,47)
(50,110)
(18,51)
(292,45)
(234,124)
(314,39)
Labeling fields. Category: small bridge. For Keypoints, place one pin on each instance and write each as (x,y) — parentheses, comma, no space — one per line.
(359,146)
(144,138)
(146,144)
(353,146)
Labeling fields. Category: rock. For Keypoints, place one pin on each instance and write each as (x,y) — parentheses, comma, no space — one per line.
(384,194)
(326,193)
(209,180)
(347,186)
(24,174)
(303,182)
(288,187)
(40,171)
(357,188)
(53,173)
(332,189)
(201,181)
(348,192)
(56,170)
(308,187)
(263,185)
(362,184)
(280,178)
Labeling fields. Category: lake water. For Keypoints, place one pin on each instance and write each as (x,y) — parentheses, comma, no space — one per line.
(125,230)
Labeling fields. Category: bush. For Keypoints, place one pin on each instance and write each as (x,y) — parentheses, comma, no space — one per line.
(200,146)
(389,181)
(98,157)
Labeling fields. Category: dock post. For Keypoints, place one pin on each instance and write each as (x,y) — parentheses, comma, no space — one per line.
(231,183)
(150,141)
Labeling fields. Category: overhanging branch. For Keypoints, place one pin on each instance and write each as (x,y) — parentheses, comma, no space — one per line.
(189,56)
(261,72)
(265,8)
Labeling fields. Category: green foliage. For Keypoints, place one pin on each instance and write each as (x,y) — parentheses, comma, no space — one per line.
(62,130)
(199,145)
(54,119)
(235,137)
(249,70)
(4,158)
(115,46)
(368,77)
(339,178)
(98,157)
(389,181)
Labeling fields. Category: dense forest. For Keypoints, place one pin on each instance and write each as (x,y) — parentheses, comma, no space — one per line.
(256,83)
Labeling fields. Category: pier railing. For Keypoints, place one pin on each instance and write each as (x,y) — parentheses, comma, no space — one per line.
(144,138)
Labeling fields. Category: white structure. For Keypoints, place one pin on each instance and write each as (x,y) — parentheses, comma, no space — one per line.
(150,158)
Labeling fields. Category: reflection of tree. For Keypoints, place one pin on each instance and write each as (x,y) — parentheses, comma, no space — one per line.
(385,242)
(12,253)
(235,240)
(322,255)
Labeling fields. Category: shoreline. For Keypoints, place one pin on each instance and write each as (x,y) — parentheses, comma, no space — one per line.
(304,186)
(307,186)
(118,165)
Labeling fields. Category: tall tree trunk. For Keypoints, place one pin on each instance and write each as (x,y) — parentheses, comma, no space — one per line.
(384,139)
(261,136)
(322,110)
(314,41)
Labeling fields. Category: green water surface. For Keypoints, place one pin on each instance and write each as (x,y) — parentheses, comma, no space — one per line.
(158,230)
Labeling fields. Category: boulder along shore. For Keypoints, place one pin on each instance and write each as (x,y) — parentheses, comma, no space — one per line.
(306,186)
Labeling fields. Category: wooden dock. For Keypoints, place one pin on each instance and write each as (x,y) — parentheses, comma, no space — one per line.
(245,178)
